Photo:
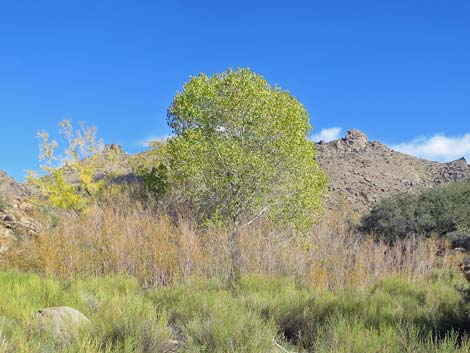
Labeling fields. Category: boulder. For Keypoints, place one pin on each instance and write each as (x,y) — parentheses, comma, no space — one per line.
(60,324)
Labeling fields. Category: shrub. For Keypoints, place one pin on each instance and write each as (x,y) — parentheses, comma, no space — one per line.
(155,180)
(55,188)
(431,212)
(152,168)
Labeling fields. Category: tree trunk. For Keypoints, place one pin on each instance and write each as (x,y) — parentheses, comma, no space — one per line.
(235,271)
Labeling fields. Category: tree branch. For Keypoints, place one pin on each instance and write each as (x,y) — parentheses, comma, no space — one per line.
(257,216)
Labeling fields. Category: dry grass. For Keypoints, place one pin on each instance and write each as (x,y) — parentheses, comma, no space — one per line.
(129,238)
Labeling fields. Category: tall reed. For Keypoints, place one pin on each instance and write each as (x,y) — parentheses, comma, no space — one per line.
(126,237)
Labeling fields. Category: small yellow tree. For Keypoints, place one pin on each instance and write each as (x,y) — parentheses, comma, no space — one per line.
(67,181)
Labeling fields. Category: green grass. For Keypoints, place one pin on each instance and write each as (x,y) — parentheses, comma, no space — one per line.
(394,315)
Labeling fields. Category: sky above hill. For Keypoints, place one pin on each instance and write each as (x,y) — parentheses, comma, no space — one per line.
(397,70)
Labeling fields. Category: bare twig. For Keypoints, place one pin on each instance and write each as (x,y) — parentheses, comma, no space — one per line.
(258,216)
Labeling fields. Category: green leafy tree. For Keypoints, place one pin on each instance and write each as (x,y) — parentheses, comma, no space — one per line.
(54,187)
(240,152)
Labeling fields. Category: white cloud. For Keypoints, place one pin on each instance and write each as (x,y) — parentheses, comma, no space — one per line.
(438,147)
(328,134)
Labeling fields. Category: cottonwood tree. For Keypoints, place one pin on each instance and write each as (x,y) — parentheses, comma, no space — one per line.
(240,152)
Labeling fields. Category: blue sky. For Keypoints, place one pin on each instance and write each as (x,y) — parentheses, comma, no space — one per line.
(398,70)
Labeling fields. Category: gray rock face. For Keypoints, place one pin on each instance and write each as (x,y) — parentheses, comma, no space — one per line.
(61,324)
(9,188)
(362,172)
(15,212)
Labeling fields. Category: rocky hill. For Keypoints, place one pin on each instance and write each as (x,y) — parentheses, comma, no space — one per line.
(361,172)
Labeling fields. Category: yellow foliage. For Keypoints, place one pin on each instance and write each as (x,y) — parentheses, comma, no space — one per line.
(54,188)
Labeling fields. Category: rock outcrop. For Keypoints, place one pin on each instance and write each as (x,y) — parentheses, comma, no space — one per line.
(10,189)
(16,218)
(361,172)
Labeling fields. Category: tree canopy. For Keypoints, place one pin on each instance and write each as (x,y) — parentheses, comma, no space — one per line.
(241,150)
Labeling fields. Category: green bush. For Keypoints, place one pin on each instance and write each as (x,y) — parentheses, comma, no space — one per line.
(155,180)
(431,212)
